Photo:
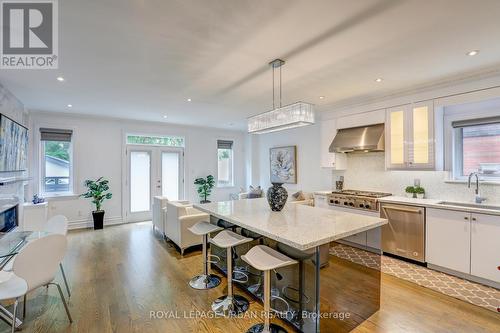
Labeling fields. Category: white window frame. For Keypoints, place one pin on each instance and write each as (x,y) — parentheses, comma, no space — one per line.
(41,159)
(231,183)
(454,152)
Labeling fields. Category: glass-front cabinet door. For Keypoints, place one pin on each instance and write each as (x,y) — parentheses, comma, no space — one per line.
(410,137)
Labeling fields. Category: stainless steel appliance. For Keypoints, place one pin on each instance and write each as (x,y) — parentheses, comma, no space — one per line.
(359,139)
(404,235)
(362,200)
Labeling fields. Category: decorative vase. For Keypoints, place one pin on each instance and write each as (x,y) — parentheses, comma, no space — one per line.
(98,219)
(276,197)
(420,195)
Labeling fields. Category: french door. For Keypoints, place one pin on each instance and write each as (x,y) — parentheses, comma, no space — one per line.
(152,171)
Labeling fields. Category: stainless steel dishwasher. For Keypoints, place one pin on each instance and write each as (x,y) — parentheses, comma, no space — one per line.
(404,235)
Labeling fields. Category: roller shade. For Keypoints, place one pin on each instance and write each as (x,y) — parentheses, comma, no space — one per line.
(475,122)
(52,134)
(224,144)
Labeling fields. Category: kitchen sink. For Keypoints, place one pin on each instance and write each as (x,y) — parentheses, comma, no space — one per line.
(468,205)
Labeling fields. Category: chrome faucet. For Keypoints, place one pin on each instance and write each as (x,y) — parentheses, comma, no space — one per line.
(478,199)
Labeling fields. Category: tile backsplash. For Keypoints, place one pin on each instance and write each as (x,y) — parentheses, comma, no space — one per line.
(367,172)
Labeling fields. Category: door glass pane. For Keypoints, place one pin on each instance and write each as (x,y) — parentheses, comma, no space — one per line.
(421,135)
(140,181)
(170,175)
(397,137)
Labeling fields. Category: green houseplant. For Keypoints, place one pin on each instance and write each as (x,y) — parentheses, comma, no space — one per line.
(204,187)
(410,191)
(420,192)
(96,190)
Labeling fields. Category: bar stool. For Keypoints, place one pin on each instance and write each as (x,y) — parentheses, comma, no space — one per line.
(205,280)
(229,304)
(266,259)
(301,257)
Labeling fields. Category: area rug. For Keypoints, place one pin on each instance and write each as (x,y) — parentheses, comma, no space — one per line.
(475,293)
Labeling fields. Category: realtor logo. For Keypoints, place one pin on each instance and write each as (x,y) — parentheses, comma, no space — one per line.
(29,34)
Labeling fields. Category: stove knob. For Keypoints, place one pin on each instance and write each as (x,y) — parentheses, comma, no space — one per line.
(361,205)
(337,202)
(351,204)
(331,201)
(367,206)
(345,203)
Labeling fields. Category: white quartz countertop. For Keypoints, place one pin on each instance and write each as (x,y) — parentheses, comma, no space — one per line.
(434,203)
(300,226)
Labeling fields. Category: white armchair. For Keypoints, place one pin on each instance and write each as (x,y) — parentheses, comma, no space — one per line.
(180,217)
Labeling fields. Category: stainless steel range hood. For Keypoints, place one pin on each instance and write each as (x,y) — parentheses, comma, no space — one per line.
(359,139)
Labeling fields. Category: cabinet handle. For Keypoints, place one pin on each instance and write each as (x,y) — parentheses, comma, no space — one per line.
(474,219)
(466,218)
(498,268)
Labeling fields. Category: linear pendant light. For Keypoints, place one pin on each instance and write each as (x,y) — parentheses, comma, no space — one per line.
(283,117)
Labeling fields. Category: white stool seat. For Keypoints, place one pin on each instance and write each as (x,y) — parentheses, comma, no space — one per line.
(264,258)
(13,288)
(203,228)
(226,239)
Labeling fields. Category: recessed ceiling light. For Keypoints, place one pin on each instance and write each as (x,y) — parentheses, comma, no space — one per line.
(70,105)
(321,97)
(189,99)
(165,117)
(472,53)
(60,79)
(379,79)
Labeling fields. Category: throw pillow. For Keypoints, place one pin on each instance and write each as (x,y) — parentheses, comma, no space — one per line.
(298,196)
(255,192)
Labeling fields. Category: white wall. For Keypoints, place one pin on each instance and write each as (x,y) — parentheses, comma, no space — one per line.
(98,145)
(310,176)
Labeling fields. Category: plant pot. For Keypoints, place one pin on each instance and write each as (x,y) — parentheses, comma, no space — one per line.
(420,195)
(98,217)
(409,195)
(205,201)
(276,197)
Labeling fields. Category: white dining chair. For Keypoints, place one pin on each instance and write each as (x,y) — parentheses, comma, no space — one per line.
(59,225)
(35,266)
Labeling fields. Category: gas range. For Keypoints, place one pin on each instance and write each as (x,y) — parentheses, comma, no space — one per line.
(363,200)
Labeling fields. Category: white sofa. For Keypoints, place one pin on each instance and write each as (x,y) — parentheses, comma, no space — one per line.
(180,216)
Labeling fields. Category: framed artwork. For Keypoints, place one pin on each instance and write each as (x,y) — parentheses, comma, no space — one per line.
(283,164)
(13,145)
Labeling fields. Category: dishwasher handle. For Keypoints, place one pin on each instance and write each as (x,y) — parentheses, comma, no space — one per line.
(402,209)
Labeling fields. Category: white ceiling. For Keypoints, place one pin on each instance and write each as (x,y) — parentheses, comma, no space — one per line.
(142,59)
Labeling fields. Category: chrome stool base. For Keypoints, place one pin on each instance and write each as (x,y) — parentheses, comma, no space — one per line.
(230,305)
(273,328)
(204,282)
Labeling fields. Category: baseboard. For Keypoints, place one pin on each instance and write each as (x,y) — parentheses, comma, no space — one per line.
(85,223)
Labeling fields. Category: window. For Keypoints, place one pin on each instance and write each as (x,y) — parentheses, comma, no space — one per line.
(224,163)
(477,148)
(170,141)
(56,161)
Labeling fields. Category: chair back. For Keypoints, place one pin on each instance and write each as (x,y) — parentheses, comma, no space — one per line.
(57,225)
(38,262)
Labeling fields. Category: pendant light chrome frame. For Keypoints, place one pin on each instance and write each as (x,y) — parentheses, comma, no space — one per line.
(283,117)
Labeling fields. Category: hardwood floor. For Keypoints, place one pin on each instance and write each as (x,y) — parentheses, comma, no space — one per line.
(122,273)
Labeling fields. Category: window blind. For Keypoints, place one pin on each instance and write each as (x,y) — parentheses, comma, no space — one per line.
(52,134)
(224,144)
(475,122)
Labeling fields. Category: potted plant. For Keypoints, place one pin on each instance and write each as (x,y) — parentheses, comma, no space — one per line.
(204,187)
(410,192)
(96,189)
(420,192)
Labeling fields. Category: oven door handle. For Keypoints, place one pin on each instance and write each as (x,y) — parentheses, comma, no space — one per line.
(406,210)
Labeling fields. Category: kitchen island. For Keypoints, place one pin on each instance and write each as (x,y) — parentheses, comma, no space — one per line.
(336,298)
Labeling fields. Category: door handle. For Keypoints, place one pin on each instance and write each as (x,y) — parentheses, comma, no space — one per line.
(399,209)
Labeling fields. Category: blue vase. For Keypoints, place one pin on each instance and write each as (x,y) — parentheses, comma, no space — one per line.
(276,197)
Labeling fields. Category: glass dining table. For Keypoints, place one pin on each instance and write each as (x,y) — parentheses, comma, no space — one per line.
(10,245)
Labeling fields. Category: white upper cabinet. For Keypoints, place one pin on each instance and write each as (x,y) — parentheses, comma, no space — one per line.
(336,161)
(410,137)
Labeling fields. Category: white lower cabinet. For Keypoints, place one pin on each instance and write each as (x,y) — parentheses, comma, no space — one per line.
(464,242)
(448,239)
(485,246)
